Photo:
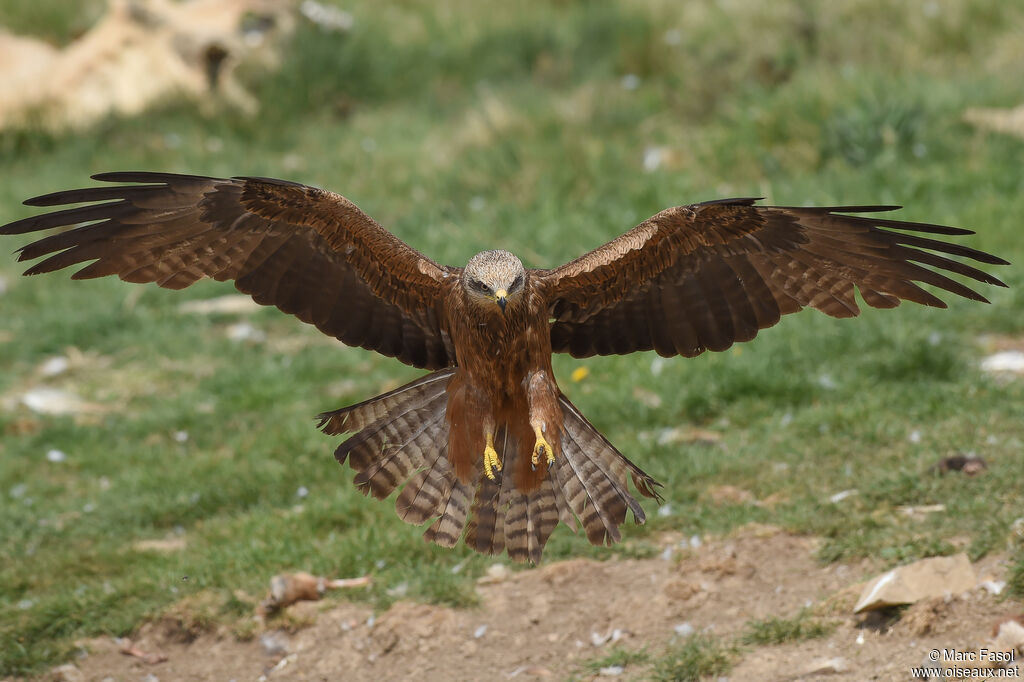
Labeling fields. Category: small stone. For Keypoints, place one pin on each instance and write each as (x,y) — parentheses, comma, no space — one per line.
(1010,636)
(826,666)
(993,586)
(243,331)
(1010,361)
(54,401)
(56,456)
(968,464)
(496,573)
(274,643)
(222,305)
(327,17)
(480,632)
(684,629)
(721,495)
(611,671)
(841,495)
(54,366)
(68,672)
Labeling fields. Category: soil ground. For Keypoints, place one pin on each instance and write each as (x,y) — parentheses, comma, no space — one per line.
(548,622)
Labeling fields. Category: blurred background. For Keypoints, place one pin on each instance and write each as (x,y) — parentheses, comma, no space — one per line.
(130,414)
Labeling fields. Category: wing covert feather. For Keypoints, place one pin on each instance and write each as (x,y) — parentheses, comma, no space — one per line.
(702,277)
(307,251)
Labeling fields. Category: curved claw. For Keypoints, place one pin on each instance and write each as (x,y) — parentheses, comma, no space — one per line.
(542,448)
(491,460)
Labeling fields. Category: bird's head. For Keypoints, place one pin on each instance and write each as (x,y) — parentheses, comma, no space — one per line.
(494,278)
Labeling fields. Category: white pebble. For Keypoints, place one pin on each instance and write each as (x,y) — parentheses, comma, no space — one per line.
(1006,361)
(54,366)
(841,495)
(56,456)
(684,629)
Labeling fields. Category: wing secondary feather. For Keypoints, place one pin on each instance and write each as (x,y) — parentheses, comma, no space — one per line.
(701,277)
(307,251)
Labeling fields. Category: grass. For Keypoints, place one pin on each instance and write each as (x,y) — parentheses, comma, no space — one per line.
(522,127)
(618,657)
(701,656)
(780,630)
(696,658)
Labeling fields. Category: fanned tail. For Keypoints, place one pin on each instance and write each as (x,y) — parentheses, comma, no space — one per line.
(590,480)
(402,437)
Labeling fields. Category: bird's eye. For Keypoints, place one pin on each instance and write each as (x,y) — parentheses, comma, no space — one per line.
(478,285)
(517,282)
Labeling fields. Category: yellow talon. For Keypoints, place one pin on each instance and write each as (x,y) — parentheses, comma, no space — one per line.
(491,460)
(542,448)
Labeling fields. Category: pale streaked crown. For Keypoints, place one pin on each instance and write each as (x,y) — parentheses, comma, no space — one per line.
(490,271)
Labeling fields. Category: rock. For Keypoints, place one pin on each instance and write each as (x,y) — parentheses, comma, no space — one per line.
(934,577)
(169,544)
(496,573)
(683,629)
(681,434)
(841,495)
(1006,121)
(274,643)
(54,401)
(67,673)
(826,666)
(721,495)
(1010,637)
(1008,361)
(968,464)
(221,305)
(327,17)
(245,332)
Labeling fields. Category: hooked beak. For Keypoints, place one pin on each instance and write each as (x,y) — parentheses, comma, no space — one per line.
(501,298)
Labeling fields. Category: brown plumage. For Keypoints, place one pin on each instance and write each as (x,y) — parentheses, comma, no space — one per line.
(487,445)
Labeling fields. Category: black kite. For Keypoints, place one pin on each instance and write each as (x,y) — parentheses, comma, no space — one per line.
(488,437)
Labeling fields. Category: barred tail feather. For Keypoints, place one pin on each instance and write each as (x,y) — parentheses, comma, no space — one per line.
(401,440)
(592,476)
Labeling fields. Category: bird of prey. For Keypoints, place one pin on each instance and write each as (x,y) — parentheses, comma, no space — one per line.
(486,444)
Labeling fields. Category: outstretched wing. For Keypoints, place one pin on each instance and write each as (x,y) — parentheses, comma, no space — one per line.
(310,252)
(701,277)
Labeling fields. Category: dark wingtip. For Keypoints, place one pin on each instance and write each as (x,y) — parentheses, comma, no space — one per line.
(121,176)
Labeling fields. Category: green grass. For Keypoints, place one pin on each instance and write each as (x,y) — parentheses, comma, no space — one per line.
(696,658)
(617,657)
(462,127)
(800,627)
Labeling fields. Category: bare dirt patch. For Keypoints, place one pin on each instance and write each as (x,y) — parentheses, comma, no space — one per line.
(547,622)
